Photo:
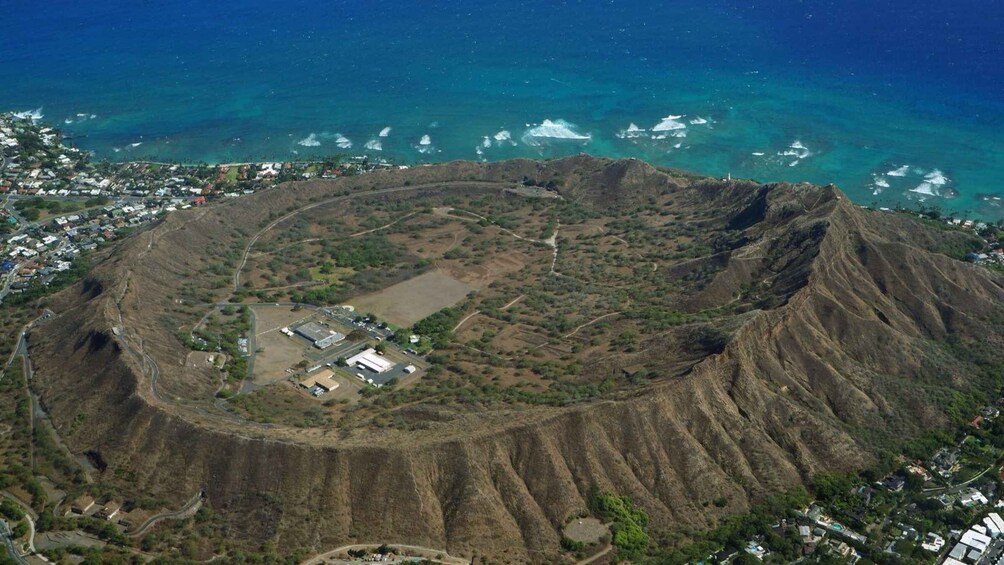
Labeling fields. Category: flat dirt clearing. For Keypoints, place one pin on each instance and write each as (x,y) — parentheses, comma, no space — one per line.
(204,359)
(278,351)
(55,540)
(408,302)
(586,530)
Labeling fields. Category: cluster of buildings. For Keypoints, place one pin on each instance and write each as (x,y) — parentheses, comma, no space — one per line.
(981,540)
(111,510)
(35,164)
(38,251)
(993,248)
(368,364)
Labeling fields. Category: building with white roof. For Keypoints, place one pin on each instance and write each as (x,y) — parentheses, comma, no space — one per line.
(975,540)
(369,359)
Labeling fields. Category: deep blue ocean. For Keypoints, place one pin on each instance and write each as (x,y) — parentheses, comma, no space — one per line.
(893,100)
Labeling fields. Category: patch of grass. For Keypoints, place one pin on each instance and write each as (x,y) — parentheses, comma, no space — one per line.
(331,274)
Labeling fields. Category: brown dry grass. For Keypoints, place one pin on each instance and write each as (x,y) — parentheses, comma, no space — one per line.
(408,302)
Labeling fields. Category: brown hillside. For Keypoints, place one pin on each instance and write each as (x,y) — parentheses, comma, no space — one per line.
(835,347)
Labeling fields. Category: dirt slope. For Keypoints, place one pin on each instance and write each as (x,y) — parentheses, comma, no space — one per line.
(842,354)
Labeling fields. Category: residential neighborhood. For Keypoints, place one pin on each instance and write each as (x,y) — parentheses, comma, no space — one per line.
(55,204)
(944,508)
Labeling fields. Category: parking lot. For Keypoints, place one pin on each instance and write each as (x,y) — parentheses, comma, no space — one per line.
(281,354)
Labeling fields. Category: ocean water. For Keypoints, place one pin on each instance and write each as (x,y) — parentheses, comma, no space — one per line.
(894,101)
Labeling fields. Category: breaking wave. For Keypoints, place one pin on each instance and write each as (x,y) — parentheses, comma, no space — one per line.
(900,172)
(798,150)
(670,123)
(933,182)
(631,132)
(557,129)
(33,115)
(310,141)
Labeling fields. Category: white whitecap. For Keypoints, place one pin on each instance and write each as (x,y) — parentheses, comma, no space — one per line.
(798,150)
(759,153)
(426,140)
(670,123)
(900,172)
(137,144)
(881,182)
(310,141)
(698,121)
(33,115)
(631,132)
(342,142)
(926,189)
(557,129)
(385,132)
(678,145)
(936,178)
(486,142)
(504,136)
(374,145)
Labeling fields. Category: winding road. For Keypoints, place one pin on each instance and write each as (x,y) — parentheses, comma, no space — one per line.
(186,511)
(425,552)
(345,197)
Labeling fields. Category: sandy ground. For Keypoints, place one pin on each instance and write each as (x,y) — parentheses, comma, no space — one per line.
(408,302)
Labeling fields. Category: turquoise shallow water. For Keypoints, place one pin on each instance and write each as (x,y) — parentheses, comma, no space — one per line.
(822,91)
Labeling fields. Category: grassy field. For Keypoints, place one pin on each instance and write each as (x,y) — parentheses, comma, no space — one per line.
(333,275)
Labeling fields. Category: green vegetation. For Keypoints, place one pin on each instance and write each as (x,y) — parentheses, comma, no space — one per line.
(735,532)
(363,252)
(10,510)
(438,328)
(222,333)
(628,523)
(33,208)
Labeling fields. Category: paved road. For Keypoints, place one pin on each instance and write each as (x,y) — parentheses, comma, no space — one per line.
(9,543)
(417,551)
(396,189)
(186,511)
(133,345)
(589,560)
(30,515)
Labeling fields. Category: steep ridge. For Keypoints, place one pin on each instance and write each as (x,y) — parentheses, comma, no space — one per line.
(842,353)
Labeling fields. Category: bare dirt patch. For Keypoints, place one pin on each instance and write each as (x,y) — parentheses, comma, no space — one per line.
(407,302)
(490,270)
(586,530)
(276,351)
(203,359)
